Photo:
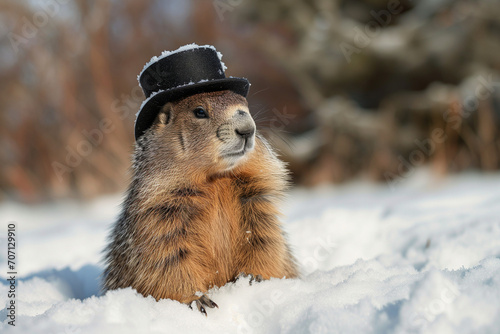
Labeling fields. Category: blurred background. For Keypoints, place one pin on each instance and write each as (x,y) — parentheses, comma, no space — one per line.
(358,89)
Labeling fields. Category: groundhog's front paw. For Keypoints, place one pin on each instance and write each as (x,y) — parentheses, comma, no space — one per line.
(256,278)
(202,301)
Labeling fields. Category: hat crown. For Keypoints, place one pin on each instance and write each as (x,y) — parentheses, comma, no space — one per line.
(196,64)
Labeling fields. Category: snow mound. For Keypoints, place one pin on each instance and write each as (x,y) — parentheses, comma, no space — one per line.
(424,258)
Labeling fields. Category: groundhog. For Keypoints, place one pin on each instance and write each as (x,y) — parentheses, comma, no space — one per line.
(202,206)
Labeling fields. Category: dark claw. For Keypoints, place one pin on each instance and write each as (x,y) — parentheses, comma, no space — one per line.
(257,278)
(204,301)
(200,307)
(207,302)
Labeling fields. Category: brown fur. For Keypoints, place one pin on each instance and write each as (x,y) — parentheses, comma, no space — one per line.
(193,220)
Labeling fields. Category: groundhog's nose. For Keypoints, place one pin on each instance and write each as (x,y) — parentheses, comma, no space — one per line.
(245,132)
(245,127)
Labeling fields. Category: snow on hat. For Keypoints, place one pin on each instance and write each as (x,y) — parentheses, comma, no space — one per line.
(189,70)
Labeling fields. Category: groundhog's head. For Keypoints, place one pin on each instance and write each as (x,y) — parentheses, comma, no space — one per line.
(213,131)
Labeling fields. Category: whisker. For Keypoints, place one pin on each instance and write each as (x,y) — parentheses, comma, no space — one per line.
(259,112)
(260,91)
(278,135)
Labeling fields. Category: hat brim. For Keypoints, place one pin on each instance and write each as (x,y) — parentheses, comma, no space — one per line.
(150,110)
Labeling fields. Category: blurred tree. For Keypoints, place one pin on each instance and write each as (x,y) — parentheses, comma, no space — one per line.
(348,88)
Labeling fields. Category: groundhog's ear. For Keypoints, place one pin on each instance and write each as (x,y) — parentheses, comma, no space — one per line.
(164,114)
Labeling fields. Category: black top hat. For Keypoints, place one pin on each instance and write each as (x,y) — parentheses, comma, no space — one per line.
(189,70)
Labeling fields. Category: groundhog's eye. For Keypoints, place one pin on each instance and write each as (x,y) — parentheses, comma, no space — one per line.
(199,112)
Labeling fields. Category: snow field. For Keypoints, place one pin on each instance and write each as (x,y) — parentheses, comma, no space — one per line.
(424,258)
